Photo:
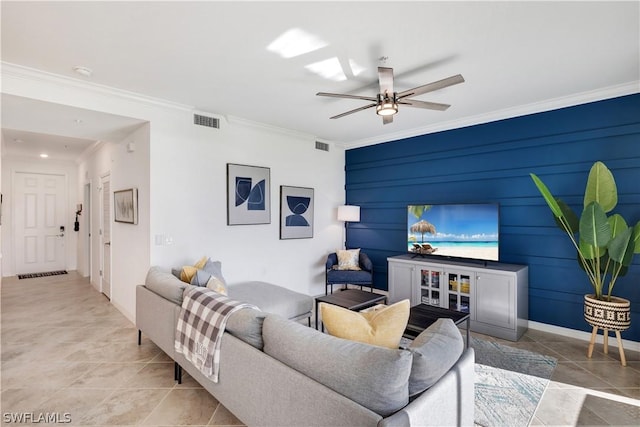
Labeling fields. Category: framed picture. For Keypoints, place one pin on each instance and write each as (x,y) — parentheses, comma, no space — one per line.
(296,212)
(248,195)
(125,204)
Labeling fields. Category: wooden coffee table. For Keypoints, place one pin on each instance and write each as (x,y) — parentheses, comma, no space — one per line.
(351,299)
(422,316)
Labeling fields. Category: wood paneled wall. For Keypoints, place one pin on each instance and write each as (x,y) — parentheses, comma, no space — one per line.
(491,163)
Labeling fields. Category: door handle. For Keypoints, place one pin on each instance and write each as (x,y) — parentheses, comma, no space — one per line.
(61,235)
(107,243)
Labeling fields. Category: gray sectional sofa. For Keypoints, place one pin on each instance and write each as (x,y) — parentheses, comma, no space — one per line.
(275,371)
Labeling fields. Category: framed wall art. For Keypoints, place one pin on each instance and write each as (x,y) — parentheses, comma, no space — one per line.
(248,195)
(296,212)
(125,205)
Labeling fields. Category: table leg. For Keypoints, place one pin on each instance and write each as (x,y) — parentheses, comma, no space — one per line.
(468,330)
(316,315)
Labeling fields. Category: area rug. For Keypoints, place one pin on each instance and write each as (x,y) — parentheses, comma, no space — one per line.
(48,273)
(509,383)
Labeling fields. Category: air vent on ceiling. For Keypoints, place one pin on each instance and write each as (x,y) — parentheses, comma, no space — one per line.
(207,121)
(322,146)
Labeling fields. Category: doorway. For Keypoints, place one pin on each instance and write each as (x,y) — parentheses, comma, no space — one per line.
(39,212)
(85,230)
(105,236)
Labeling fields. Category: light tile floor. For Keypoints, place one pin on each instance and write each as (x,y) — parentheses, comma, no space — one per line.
(69,353)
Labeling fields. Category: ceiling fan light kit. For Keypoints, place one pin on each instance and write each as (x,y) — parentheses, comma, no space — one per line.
(386,106)
(387,101)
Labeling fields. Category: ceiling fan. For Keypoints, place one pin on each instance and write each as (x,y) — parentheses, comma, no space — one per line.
(387,101)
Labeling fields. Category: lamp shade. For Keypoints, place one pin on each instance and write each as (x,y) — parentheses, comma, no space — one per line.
(349,213)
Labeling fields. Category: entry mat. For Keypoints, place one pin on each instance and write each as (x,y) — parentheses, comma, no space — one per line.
(48,273)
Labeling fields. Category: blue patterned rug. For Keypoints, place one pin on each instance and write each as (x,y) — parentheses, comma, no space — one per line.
(509,383)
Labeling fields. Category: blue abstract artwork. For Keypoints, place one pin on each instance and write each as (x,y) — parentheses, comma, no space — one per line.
(298,205)
(248,195)
(296,212)
(254,196)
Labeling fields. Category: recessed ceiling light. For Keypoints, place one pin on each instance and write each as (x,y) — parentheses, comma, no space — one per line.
(83,71)
(44,155)
(78,121)
(18,140)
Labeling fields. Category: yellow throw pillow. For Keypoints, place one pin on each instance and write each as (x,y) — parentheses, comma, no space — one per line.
(383,327)
(348,259)
(187,273)
(201,262)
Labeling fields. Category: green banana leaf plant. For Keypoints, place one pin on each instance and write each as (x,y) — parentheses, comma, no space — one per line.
(605,244)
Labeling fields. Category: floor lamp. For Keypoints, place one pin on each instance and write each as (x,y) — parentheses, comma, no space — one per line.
(347,214)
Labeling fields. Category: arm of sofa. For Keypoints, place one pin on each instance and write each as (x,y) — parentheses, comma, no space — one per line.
(156,317)
(453,396)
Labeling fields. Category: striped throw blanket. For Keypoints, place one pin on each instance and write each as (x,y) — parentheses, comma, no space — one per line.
(200,327)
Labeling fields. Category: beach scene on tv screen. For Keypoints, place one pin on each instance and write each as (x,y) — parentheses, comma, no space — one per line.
(464,231)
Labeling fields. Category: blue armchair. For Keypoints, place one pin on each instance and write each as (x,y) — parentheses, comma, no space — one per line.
(333,276)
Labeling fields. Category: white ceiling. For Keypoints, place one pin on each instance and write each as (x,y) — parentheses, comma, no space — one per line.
(516,57)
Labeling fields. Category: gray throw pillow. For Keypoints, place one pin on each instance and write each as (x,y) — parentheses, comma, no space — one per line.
(375,377)
(435,351)
(246,324)
(200,278)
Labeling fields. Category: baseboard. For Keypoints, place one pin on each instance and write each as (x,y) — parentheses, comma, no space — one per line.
(581,335)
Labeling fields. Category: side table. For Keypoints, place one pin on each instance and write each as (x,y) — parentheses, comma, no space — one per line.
(423,315)
(351,299)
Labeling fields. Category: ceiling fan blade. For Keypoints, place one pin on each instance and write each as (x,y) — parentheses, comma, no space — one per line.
(385,78)
(423,104)
(353,111)
(430,87)
(387,119)
(344,95)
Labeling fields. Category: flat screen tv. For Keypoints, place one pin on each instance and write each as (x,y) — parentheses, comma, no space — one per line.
(454,230)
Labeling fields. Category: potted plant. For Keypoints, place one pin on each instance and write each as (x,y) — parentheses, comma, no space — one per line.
(605,247)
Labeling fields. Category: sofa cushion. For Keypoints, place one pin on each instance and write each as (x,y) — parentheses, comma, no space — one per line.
(382,327)
(348,259)
(165,284)
(246,324)
(435,351)
(272,298)
(375,377)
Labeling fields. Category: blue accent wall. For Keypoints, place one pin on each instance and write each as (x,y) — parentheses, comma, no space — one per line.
(491,163)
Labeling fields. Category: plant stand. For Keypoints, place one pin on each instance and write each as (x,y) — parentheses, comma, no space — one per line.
(614,315)
(605,338)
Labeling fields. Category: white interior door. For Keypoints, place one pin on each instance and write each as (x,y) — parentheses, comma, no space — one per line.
(105,237)
(39,212)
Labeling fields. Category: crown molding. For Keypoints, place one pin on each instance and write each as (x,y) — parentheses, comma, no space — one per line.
(508,113)
(234,120)
(32,74)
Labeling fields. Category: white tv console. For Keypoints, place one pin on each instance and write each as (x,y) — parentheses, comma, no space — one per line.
(495,295)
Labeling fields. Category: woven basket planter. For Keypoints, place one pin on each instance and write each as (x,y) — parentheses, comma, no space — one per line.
(614,315)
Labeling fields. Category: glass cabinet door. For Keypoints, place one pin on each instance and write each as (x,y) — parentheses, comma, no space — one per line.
(459,291)
(430,287)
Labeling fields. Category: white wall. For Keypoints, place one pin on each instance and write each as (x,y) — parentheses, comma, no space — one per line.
(11,165)
(189,203)
(129,242)
(186,195)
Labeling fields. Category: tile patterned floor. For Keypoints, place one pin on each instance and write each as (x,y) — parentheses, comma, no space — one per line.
(67,351)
